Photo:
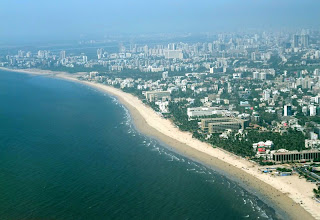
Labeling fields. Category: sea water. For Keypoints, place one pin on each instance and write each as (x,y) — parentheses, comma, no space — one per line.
(68,151)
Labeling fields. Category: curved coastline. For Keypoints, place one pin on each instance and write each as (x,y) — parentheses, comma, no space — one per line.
(279,191)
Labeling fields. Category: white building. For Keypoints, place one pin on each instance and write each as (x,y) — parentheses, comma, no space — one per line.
(266,94)
(237,75)
(173,54)
(313,136)
(261,144)
(165,75)
(163,106)
(261,76)
(256,75)
(208,111)
(62,54)
(263,149)
(313,110)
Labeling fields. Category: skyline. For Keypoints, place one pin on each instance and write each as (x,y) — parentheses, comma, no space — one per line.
(255,96)
(220,100)
(65,20)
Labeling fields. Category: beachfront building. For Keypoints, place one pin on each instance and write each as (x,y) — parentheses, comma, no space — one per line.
(153,96)
(163,106)
(93,74)
(261,144)
(201,111)
(209,111)
(219,125)
(262,149)
(285,156)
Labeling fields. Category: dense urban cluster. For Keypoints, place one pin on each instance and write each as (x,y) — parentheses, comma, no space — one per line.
(256,95)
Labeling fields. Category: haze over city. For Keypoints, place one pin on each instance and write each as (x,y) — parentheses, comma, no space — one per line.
(173,109)
(33,20)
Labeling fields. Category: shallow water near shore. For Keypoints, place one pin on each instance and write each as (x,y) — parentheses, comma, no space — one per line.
(69,151)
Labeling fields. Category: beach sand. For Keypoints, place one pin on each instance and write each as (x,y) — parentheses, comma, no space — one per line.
(290,194)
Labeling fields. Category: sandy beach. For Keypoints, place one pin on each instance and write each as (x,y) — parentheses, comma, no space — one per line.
(290,194)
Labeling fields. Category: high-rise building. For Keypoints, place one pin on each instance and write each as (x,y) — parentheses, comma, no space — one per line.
(28,54)
(210,47)
(62,54)
(306,83)
(41,54)
(173,54)
(256,75)
(99,53)
(146,50)
(263,76)
(221,47)
(171,46)
(287,111)
(295,42)
(305,40)
(46,54)
(313,110)
(266,94)
(253,56)
(20,53)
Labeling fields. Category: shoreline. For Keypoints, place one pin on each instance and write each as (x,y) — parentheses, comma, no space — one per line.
(279,191)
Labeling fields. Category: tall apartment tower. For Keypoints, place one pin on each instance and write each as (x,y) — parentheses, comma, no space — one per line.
(305,40)
(287,110)
(99,53)
(62,54)
(295,41)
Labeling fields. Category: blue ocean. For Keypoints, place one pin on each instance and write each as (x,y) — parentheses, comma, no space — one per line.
(68,151)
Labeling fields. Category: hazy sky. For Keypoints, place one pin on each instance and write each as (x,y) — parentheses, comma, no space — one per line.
(21,19)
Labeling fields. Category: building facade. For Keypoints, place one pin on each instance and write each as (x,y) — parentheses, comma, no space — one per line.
(285,156)
(219,125)
(153,96)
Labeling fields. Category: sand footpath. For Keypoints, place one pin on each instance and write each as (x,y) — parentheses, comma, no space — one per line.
(291,194)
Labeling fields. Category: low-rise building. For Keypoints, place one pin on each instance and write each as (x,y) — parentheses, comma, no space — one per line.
(153,96)
(263,149)
(208,111)
(284,156)
(163,106)
(219,125)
